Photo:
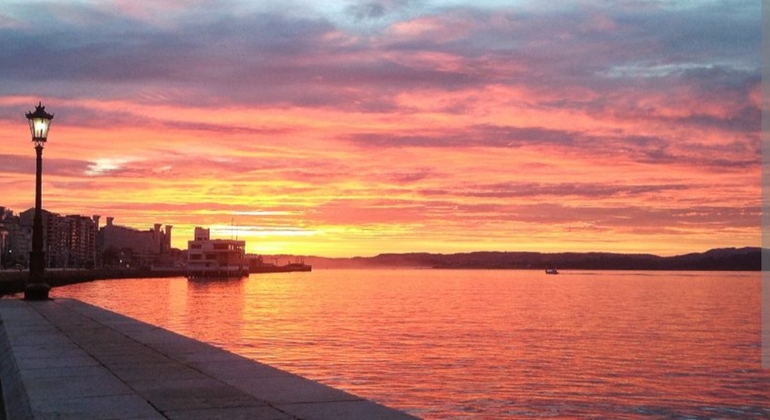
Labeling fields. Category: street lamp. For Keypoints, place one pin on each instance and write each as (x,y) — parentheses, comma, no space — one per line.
(3,259)
(37,289)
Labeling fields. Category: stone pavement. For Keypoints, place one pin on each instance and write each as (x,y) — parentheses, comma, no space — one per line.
(65,359)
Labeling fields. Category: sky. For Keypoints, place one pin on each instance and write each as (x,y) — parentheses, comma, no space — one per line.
(353,128)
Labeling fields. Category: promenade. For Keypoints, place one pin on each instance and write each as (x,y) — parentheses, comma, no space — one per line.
(66,359)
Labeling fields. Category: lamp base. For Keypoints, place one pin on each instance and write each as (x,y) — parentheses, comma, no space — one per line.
(36,291)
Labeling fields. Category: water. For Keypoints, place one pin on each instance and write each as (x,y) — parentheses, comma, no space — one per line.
(488,344)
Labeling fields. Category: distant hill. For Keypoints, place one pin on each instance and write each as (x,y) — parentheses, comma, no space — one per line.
(724,259)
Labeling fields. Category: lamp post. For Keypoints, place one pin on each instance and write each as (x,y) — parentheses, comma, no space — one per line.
(3,259)
(36,288)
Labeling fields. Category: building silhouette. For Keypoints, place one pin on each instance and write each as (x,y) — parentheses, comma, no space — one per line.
(13,241)
(75,241)
(208,257)
(123,246)
(68,241)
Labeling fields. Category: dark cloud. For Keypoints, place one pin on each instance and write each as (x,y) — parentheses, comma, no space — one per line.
(408,177)
(219,128)
(272,58)
(735,155)
(730,30)
(634,219)
(53,166)
(364,11)
(480,135)
(569,189)
(378,9)
(615,57)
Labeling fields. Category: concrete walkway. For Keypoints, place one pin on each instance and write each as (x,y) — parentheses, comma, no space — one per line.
(65,359)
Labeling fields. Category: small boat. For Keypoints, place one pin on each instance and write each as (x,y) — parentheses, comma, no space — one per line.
(551,271)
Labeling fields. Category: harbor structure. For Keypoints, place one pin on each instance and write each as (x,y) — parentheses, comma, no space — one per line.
(208,257)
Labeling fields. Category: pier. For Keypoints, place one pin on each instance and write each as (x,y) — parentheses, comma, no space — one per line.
(66,359)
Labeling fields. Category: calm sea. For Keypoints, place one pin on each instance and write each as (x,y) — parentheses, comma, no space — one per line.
(484,344)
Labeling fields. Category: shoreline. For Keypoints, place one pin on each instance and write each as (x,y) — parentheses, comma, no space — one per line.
(12,282)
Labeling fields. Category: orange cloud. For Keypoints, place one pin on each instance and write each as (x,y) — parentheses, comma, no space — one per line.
(417,130)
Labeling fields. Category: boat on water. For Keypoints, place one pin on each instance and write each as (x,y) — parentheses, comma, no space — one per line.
(551,271)
(215,258)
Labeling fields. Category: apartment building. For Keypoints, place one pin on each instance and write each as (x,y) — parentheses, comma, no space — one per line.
(68,241)
(130,247)
(75,241)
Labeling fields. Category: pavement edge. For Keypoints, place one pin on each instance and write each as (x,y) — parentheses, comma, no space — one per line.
(14,394)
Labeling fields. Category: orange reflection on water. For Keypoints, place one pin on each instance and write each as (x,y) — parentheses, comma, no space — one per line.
(484,344)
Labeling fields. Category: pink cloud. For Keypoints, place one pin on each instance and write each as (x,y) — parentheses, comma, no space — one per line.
(409,128)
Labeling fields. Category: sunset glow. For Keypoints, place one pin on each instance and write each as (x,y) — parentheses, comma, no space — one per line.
(354,128)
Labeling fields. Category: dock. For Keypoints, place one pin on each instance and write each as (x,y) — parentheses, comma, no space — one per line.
(66,359)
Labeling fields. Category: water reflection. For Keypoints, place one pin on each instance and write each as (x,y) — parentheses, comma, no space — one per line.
(484,344)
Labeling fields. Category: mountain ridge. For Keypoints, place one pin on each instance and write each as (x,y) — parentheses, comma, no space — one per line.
(717,259)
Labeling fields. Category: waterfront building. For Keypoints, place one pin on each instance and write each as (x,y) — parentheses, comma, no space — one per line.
(79,240)
(75,241)
(129,247)
(52,235)
(68,241)
(15,252)
(208,257)
(4,233)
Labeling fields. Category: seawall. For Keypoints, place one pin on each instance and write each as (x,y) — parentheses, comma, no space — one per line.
(12,281)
